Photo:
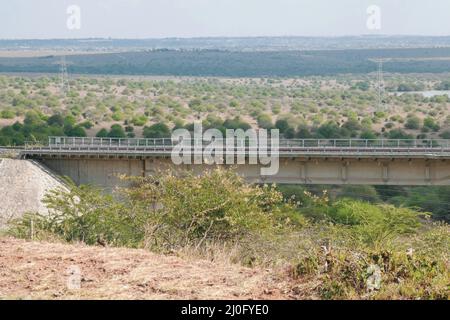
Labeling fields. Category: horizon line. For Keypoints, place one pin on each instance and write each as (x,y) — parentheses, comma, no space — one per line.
(231,37)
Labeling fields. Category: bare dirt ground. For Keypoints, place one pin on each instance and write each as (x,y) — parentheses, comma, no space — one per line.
(37,270)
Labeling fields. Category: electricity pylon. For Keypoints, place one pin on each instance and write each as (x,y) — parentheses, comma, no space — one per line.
(380,85)
(63,76)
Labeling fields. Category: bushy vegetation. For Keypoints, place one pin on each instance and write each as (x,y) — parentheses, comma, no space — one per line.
(37,127)
(432,199)
(343,249)
(338,107)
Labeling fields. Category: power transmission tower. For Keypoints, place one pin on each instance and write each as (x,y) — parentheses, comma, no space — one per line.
(380,85)
(63,76)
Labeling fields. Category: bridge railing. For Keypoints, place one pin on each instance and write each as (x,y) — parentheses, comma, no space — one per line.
(71,142)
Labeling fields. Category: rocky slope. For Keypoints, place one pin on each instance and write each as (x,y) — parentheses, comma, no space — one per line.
(22,187)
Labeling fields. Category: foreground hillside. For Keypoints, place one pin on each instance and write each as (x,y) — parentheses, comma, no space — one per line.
(39,270)
(314,247)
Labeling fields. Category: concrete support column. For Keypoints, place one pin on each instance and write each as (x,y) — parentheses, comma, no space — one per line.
(385,172)
(303,172)
(344,171)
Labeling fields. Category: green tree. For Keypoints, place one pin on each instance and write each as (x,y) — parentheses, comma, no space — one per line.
(236,123)
(303,132)
(32,119)
(69,121)
(77,131)
(282,125)
(265,121)
(329,130)
(56,119)
(368,134)
(398,134)
(116,131)
(102,133)
(157,130)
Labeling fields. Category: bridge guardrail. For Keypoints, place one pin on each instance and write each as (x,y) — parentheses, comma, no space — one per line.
(304,143)
(354,147)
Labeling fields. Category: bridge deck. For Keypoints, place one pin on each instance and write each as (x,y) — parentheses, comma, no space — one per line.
(353,148)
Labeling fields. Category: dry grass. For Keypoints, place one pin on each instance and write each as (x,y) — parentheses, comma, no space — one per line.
(35,270)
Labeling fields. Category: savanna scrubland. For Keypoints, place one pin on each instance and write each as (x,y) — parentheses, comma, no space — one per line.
(319,242)
(343,106)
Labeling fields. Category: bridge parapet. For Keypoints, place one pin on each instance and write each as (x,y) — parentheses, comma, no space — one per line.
(310,143)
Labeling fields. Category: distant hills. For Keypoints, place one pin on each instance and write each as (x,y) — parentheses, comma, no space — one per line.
(235,44)
(230,57)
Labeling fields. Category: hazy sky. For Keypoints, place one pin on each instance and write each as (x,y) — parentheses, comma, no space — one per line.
(201,18)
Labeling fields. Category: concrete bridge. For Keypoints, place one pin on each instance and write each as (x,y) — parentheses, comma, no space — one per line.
(99,161)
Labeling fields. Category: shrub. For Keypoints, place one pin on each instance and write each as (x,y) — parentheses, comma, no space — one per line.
(7,114)
(303,133)
(352,125)
(376,274)
(217,206)
(117,116)
(398,134)
(77,131)
(413,123)
(431,124)
(56,119)
(236,123)
(102,133)
(116,131)
(367,134)
(445,135)
(374,225)
(87,124)
(139,121)
(163,212)
(282,125)
(362,85)
(84,214)
(157,130)
(331,130)
(69,121)
(265,121)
